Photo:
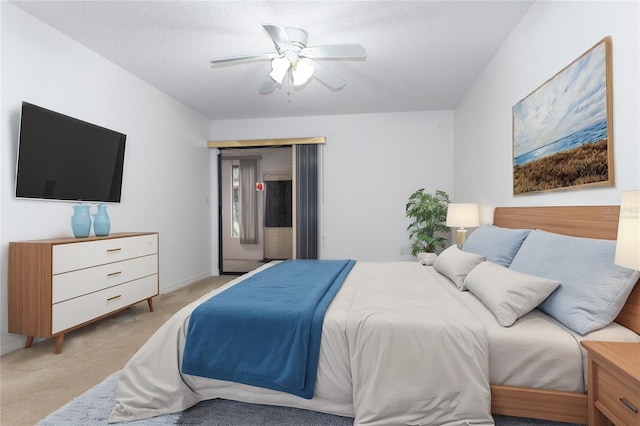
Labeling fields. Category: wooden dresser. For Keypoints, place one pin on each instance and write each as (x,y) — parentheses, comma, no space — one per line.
(58,285)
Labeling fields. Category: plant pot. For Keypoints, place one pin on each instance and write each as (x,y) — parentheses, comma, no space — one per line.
(427,259)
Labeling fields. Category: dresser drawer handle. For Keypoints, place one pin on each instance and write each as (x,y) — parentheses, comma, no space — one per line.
(629,405)
(111,274)
(114,298)
(113,250)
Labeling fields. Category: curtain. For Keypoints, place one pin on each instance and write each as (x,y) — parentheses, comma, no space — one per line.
(248,202)
(307,202)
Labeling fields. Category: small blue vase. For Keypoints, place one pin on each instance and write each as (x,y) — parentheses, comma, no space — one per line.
(81,221)
(101,222)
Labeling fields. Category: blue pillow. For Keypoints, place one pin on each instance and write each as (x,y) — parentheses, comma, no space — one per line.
(498,245)
(593,288)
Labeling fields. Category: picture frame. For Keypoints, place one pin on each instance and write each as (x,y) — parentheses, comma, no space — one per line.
(563,130)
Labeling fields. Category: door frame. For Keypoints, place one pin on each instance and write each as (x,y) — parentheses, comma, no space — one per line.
(257,143)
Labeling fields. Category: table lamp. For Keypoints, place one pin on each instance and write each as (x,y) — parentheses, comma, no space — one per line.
(628,242)
(461,215)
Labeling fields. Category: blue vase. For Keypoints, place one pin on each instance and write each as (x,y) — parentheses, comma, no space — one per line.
(81,221)
(101,222)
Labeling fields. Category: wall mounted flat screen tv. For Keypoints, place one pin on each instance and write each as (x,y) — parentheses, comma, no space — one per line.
(63,158)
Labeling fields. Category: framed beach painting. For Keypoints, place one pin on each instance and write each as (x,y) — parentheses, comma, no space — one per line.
(562,131)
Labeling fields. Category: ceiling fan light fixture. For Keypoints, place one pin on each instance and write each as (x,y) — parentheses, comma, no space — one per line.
(279,68)
(295,61)
(302,72)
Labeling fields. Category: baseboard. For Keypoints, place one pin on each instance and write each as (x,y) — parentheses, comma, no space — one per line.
(181,284)
(14,345)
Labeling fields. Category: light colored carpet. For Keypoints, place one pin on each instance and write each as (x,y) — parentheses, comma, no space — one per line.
(240,266)
(35,381)
(94,407)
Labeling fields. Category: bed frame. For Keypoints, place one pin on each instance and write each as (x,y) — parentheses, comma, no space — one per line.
(580,221)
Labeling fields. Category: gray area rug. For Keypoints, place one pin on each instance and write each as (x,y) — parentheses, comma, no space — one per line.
(94,407)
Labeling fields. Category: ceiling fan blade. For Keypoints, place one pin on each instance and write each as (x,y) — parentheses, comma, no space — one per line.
(268,85)
(327,77)
(279,36)
(352,50)
(256,57)
(297,36)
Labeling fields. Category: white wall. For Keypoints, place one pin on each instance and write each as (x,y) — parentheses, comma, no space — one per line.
(550,37)
(371,164)
(168,177)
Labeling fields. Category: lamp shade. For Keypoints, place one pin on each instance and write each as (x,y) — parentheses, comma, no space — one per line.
(279,69)
(628,243)
(302,72)
(462,215)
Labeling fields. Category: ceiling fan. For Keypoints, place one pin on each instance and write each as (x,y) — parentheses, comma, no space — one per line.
(297,61)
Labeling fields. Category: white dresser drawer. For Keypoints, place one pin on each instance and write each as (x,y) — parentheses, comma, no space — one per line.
(73,256)
(76,311)
(83,281)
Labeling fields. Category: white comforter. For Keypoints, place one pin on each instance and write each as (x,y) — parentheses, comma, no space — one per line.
(397,349)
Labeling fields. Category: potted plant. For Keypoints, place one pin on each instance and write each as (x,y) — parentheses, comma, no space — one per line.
(428,214)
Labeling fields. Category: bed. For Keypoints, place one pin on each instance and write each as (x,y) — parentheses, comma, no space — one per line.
(503,374)
(581,221)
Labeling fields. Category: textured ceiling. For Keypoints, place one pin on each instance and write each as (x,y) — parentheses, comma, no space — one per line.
(421,55)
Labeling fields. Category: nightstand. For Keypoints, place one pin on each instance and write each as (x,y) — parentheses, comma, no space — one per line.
(614,383)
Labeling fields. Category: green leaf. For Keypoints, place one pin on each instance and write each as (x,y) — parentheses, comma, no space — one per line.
(428,215)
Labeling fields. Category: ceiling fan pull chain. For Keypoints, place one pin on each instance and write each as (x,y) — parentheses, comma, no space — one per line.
(289,85)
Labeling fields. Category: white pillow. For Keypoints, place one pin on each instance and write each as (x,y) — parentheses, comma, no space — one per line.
(455,264)
(508,294)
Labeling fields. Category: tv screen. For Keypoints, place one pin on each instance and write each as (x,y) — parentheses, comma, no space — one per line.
(63,158)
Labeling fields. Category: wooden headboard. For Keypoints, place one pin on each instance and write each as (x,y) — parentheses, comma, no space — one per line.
(579,221)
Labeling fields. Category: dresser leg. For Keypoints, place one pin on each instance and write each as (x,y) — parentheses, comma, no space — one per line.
(150,302)
(59,342)
(29,342)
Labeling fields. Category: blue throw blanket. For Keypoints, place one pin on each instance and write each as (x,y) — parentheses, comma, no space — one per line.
(265,331)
